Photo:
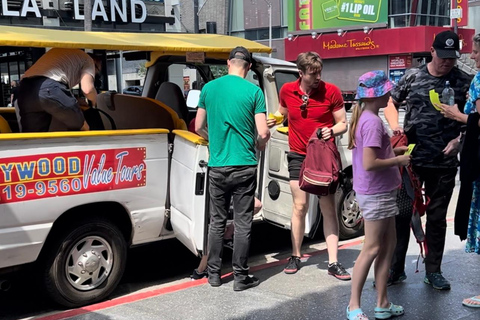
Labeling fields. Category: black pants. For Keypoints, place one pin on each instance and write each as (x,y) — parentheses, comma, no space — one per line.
(240,183)
(439,185)
(402,226)
(42,100)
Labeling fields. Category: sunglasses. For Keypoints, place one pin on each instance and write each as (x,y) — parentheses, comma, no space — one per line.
(304,105)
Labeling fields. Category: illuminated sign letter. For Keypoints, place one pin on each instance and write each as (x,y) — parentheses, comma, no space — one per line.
(26,8)
(99,10)
(133,3)
(76,7)
(7,12)
(115,8)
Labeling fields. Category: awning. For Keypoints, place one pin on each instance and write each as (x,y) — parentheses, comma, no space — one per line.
(160,42)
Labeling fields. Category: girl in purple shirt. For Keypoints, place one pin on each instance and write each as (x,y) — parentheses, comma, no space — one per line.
(376,179)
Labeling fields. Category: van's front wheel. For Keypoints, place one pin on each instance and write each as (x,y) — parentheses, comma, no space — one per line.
(350,219)
(85,264)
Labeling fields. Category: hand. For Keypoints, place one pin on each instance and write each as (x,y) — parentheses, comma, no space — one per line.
(450,112)
(85,126)
(452,148)
(403,161)
(271,122)
(326,133)
(260,146)
(400,150)
(397,131)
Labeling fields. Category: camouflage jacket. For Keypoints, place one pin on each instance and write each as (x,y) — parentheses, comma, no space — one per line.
(424,125)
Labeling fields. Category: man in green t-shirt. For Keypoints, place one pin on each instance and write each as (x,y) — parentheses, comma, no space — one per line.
(234,110)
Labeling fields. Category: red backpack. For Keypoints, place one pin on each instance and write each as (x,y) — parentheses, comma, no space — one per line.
(320,170)
(413,188)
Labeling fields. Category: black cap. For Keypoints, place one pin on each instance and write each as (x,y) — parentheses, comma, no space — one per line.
(240,53)
(447,45)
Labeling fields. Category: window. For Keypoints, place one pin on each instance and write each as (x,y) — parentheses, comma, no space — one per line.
(263,33)
(405,13)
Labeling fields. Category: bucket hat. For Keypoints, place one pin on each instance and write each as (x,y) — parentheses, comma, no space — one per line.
(373,84)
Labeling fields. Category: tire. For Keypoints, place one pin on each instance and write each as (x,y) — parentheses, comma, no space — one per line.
(350,220)
(95,251)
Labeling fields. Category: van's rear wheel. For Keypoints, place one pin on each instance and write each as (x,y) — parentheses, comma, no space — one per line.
(350,220)
(85,264)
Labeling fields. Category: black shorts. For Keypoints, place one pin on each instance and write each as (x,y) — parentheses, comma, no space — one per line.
(295,161)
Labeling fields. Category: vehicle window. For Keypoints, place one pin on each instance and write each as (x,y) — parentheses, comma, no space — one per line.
(282,77)
(186,77)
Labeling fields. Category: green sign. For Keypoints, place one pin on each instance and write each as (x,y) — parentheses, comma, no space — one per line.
(322,14)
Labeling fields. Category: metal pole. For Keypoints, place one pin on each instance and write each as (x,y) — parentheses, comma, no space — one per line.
(270,26)
(196,23)
(87,10)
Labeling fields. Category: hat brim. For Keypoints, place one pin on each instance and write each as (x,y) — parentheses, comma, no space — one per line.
(368,93)
(447,54)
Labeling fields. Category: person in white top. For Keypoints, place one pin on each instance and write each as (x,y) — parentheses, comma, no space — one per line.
(45,90)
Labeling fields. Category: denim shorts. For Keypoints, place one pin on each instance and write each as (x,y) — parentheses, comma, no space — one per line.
(378,206)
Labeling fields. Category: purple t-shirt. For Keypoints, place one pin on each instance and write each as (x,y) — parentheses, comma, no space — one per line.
(371,133)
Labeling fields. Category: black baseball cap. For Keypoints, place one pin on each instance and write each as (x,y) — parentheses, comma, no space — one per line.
(240,53)
(447,45)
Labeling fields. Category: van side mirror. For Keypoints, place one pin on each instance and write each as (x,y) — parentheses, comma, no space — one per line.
(193,98)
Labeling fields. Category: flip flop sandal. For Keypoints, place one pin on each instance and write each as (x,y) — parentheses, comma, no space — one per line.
(472,305)
(386,313)
(356,314)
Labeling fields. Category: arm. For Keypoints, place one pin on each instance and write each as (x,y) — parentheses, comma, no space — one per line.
(262,129)
(372,163)
(453,113)
(11,99)
(201,123)
(340,127)
(87,83)
(391,114)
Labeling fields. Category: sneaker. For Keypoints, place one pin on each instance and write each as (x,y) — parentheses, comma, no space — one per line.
(248,283)
(338,271)
(293,265)
(228,243)
(394,278)
(198,275)
(214,280)
(437,280)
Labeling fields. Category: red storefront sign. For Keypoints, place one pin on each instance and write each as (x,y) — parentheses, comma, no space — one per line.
(395,41)
(69,173)
(461,4)
(400,62)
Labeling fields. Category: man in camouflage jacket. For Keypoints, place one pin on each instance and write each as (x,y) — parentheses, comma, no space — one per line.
(434,158)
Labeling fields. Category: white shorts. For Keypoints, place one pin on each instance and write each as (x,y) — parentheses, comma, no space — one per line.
(378,206)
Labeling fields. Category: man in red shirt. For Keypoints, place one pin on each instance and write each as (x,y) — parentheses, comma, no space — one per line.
(311,103)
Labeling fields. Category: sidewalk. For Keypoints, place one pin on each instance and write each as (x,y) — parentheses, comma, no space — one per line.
(309,294)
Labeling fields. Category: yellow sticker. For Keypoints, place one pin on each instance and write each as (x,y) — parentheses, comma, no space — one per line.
(410,149)
(283,130)
(278,119)
(435,100)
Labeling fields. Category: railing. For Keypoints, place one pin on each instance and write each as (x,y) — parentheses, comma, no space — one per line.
(466,64)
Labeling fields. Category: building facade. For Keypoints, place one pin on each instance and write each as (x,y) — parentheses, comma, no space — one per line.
(107,15)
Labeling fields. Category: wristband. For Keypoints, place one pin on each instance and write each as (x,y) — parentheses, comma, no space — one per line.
(331,132)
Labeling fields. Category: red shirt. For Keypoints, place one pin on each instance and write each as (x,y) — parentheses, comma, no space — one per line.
(322,102)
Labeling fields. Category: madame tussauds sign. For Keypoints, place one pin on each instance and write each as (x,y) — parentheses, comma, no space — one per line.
(116,8)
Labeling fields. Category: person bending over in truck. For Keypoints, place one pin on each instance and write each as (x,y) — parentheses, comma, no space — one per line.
(311,103)
(45,90)
(233,108)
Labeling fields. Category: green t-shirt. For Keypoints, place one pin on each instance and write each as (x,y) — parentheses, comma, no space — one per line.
(231,103)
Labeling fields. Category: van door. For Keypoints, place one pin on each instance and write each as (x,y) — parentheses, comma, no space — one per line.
(276,195)
(188,177)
